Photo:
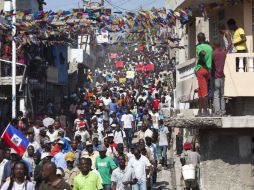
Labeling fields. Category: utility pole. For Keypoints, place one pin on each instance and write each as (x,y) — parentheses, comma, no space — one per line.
(13,59)
(102,3)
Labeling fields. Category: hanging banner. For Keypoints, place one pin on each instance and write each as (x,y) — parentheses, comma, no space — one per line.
(122,80)
(113,55)
(130,74)
(119,64)
(150,67)
(140,67)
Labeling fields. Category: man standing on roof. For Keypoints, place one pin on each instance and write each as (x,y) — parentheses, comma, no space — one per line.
(202,71)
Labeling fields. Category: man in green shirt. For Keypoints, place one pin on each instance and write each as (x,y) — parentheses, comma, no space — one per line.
(105,165)
(202,71)
(87,179)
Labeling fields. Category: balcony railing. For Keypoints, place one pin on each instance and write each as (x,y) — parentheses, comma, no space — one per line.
(239,75)
(6,72)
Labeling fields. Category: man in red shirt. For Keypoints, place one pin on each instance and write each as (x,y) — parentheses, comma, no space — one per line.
(156,102)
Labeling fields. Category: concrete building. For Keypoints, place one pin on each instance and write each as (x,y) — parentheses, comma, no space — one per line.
(32,5)
(226,143)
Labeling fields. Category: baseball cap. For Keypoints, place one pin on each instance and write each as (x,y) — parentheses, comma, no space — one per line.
(45,154)
(70,157)
(60,142)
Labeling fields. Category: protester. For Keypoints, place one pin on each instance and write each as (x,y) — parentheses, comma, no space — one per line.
(105,165)
(3,161)
(70,172)
(128,123)
(123,177)
(86,179)
(20,178)
(141,166)
(51,180)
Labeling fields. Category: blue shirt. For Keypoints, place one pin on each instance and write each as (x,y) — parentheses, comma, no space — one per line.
(59,160)
(112,107)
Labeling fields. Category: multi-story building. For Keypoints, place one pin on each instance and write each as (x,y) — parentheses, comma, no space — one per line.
(226,143)
(32,5)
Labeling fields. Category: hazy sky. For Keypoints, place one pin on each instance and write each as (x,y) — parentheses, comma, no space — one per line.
(118,5)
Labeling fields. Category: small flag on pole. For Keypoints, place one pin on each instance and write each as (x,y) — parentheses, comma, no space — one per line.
(15,139)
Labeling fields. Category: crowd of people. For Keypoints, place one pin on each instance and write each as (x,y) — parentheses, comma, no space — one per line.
(110,136)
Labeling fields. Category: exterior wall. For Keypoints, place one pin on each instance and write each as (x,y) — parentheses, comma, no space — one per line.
(28,4)
(173,4)
(24,5)
(226,157)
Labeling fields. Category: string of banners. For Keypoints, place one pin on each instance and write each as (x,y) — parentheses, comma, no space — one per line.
(36,27)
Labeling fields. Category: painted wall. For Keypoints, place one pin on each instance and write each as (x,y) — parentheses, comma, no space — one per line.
(60,62)
(226,159)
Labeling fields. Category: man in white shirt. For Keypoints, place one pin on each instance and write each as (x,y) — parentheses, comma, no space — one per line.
(83,133)
(119,135)
(123,177)
(155,116)
(2,164)
(141,165)
(32,142)
(164,140)
(128,124)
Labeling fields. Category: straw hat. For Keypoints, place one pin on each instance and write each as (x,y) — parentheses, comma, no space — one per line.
(98,112)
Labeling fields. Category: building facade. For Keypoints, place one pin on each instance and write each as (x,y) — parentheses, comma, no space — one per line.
(226,150)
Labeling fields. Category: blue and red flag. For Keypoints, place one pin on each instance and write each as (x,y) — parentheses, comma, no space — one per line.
(15,139)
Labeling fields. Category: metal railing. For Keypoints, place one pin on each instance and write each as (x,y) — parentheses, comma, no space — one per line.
(5,68)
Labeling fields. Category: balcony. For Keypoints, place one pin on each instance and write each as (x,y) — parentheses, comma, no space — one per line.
(5,73)
(239,79)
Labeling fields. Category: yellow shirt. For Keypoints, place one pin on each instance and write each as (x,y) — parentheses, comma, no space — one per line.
(88,182)
(237,38)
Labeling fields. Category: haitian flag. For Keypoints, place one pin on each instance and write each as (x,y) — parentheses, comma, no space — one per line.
(15,139)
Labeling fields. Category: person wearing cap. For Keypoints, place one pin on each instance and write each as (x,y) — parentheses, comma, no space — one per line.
(123,177)
(105,165)
(58,158)
(87,179)
(80,121)
(90,153)
(70,172)
(190,157)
